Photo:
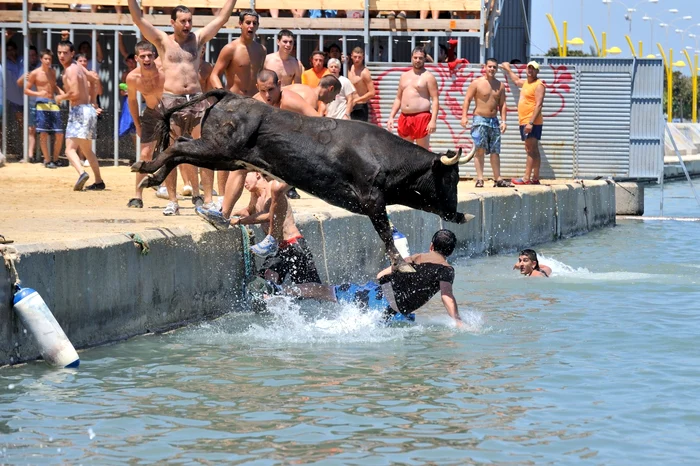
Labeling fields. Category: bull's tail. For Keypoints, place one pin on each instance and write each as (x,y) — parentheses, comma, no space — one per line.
(162,129)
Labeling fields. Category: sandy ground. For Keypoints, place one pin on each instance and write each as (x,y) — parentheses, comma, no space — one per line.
(39,205)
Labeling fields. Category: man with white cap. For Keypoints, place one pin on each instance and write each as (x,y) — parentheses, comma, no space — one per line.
(530,116)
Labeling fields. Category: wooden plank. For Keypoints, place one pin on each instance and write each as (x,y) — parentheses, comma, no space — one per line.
(346,24)
(374,5)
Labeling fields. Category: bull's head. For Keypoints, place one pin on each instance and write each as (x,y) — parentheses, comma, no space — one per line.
(451,158)
(446,177)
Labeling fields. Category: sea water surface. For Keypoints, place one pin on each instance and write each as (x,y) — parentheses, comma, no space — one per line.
(597,365)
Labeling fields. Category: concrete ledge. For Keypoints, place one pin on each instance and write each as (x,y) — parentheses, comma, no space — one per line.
(673,169)
(103,289)
(629,198)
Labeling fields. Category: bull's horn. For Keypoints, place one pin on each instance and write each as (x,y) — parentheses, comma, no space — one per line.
(451,161)
(469,156)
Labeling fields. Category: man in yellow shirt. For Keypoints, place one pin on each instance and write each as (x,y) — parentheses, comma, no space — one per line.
(312,76)
(530,117)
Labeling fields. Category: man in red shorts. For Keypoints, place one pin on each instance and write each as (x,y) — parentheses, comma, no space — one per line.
(417,98)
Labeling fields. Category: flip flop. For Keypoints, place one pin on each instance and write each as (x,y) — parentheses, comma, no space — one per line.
(3,240)
(502,184)
(479,184)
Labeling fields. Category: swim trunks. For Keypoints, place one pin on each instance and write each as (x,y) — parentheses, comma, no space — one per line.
(415,125)
(183,122)
(48,116)
(486,134)
(294,260)
(369,296)
(360,112)
(149,119)
(536,132)
(82,122)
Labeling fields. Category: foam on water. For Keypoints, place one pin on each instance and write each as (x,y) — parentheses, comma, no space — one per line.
(562,270)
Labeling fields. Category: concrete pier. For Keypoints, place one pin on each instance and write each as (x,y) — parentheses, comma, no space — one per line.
(101,288)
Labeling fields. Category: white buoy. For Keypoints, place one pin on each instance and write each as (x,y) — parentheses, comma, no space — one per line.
(54,345)
(400,242)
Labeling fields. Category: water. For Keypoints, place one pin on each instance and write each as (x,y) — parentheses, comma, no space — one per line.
(597,365)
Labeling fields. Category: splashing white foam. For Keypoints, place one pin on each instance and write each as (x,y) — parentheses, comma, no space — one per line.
(560,269)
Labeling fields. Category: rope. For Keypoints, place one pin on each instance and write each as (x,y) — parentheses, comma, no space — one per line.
(247,254)
(140,243)
(323,245)
(10,256)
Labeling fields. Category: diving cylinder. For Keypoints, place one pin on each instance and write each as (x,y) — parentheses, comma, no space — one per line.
(54,345)
(400,242)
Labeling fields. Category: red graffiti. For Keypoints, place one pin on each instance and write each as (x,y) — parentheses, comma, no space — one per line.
(452,87)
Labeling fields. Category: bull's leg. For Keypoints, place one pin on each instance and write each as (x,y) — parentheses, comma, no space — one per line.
(380,221)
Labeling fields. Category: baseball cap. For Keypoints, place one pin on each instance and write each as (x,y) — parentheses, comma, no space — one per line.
(534,64)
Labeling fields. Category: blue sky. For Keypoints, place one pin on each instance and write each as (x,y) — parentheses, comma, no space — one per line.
(595,14)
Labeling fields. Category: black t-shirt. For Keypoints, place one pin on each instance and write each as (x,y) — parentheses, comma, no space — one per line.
(412,290)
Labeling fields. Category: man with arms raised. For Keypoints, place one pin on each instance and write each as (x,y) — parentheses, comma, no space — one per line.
(48,113)
(490,96)
(361,78)
(180,54)
(530,117)
(147,79)
(271,93)
(241,60)
(282,62)
(417,88)
(80,89)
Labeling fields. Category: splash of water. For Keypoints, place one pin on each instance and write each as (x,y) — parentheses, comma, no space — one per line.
(560,269)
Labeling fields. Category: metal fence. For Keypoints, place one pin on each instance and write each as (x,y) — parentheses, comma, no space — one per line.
(599,119)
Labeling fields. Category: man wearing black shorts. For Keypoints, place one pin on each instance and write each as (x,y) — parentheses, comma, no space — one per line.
(293,259)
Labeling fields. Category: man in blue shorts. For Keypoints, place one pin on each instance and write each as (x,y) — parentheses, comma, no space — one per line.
(41,84)
(490,97)
(398,294)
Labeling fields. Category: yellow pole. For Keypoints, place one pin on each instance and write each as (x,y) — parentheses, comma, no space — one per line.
(605,45)
(694,75)
(641,53)
(629,42)
(566,46)
(595,41)
(556,34)
(669,105)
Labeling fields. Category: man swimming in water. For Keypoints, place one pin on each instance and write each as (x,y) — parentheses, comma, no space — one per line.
(530,266)
(397,292)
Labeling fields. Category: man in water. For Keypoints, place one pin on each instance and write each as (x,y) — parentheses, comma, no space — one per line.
(530,266)
(417,98)
(398,292)
(293,258)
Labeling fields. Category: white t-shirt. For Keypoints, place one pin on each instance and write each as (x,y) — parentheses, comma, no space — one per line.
(338,107)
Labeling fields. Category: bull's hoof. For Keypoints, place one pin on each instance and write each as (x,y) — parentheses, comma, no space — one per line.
(404,268)
(137,166)
(148,182)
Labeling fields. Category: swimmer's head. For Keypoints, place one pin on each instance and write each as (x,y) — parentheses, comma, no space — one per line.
(527,261)
(252,180)
(443,242)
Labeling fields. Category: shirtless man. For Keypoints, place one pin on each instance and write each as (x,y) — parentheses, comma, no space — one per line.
(417,88)
(282,62)
(180,53)
(241,60)
(270,92)
(48,113)
(318,97)
(80,89)
(147,79)
(396,294)
(361,78)
(490,96)
(530,266)
(293,258)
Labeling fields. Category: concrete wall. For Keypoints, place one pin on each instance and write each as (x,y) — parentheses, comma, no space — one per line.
(105,290)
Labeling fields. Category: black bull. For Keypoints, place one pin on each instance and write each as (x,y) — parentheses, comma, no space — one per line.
(357,166)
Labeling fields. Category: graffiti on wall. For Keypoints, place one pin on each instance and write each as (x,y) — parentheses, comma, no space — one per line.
(453,82)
